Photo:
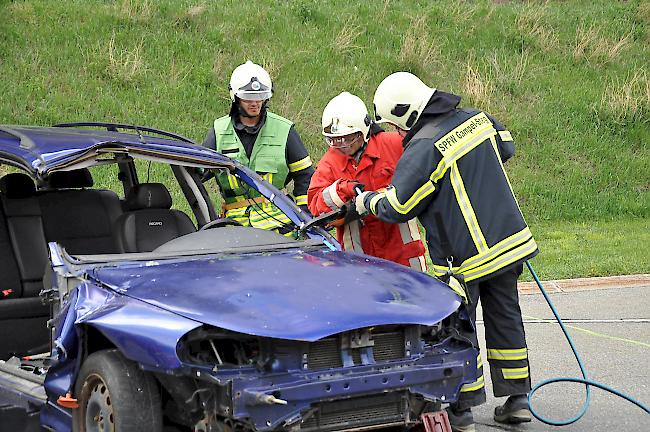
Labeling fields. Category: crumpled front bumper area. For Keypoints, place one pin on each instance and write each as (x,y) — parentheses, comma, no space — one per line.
(349,398)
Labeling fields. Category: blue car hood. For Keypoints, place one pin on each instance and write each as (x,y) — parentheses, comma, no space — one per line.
(289,295)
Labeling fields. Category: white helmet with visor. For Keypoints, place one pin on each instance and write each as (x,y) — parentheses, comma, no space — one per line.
(250,81)
(400,99)
(345,120)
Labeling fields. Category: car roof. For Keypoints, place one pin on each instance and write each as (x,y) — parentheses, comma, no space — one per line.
(40,150)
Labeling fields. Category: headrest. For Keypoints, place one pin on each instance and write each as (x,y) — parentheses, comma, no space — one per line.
(149,196)
(79,178)
(17,185)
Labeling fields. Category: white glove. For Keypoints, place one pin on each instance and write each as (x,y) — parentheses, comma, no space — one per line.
(359,203)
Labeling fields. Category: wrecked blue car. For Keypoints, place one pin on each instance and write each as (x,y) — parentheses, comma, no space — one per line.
(127,304)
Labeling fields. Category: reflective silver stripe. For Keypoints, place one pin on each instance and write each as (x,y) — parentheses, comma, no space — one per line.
(232,181)
(467,210)
(301,200)
(300,165)
(505,174)
(374,200)
(351,237)
(515,373)
(416,264)
(423,263)
(480,382)
(507,354)
(440,270)
(415,229)
(505,135)
(405,232)
(239,215)
(331,198)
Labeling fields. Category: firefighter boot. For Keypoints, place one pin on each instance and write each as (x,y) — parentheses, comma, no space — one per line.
(515,410)
(461,421)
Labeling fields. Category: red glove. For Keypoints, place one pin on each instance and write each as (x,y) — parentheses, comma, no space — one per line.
(346,189)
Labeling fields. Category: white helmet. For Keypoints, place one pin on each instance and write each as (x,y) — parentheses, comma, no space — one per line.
(400,99)
(250,81)
(345,114)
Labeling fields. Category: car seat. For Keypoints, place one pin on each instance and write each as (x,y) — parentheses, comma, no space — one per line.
(150,221)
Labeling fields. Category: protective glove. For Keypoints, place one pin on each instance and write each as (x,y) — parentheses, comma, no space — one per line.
(345,189)
(360,204)
(351,214)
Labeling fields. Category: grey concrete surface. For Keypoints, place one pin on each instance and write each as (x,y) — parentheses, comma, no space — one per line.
(611,331)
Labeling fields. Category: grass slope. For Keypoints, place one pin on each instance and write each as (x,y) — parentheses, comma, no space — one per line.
(570,79)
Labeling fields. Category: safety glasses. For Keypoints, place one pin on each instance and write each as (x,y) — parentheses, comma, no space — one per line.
(345,141)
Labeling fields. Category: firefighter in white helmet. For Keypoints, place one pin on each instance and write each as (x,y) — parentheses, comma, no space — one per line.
(451,177)
(263,141)
(361,155)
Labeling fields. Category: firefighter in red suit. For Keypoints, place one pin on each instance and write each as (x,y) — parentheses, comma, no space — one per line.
(361,155)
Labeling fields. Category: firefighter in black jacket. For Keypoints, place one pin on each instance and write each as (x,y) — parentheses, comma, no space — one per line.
(451,177)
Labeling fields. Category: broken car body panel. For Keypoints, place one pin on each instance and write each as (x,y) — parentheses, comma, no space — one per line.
(333,292)
(370,321)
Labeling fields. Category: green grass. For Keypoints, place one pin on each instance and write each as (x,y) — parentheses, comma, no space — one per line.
(586,249)
(589,249)
(571,80)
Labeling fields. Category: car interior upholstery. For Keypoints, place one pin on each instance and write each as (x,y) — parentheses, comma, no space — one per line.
(23,258)
(150,221)
(84,221)
(67,197)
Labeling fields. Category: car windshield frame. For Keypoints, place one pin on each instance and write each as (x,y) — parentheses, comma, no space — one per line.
(42,151)
(56,250)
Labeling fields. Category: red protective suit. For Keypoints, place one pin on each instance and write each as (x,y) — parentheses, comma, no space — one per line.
(327,191)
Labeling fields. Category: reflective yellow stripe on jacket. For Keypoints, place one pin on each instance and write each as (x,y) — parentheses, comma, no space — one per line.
(300,165)
(507,251)
(482,130)
(301,200)
(467,210)
(453,146)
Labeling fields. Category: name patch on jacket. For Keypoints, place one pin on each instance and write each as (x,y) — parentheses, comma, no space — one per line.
(463,134)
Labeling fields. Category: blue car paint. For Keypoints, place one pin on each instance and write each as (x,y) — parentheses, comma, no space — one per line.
(128,311)
(423,375)
(143,333)
(40,150)
(260,294)
(43,148)
(144,308)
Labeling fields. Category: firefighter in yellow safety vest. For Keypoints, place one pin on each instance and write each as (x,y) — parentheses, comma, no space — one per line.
(263,141)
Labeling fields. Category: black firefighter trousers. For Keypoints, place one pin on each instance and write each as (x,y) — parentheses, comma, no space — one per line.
(505,339)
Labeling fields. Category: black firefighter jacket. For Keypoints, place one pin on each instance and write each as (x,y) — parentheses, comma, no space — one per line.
(451,177)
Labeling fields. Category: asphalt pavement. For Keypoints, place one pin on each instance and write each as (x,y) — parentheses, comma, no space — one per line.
(610,327)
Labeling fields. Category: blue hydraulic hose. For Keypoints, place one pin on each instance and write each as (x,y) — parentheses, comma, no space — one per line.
(584,380)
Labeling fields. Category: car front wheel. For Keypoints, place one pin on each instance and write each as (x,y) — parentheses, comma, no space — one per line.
(115,395)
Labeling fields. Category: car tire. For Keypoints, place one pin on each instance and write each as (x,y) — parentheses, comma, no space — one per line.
(115,395)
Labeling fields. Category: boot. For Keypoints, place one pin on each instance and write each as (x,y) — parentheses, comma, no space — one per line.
(515,410)
(461,421)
